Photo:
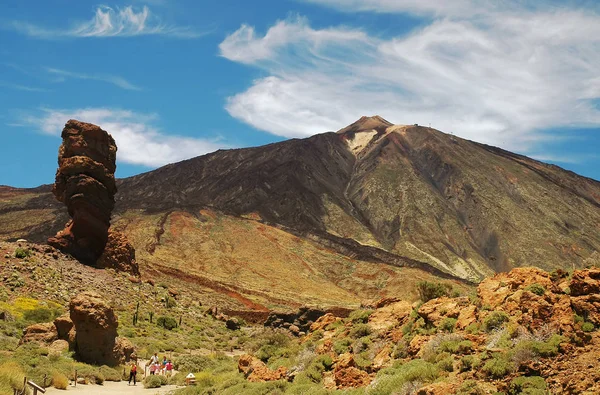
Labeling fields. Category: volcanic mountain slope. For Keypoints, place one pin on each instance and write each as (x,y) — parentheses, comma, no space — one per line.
(403,195)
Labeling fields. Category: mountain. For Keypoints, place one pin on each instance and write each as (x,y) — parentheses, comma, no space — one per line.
(358,213)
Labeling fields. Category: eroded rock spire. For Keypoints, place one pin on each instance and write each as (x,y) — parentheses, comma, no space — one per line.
(85,183)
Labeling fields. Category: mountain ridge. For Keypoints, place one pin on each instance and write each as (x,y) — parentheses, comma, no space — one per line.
(405,191)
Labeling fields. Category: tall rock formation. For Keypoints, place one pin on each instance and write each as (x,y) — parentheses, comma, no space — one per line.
(85,183)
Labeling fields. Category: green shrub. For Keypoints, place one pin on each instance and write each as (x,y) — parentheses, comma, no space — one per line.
(473,328)
(578,319)
(470,387)
(360,330)
(536,288)
(41,314)
(428,290)
(392,379)
(544,349)
(11,377)
(192,363)
(494,320)
(587,327)
(168,323)
(152,381)
(448,324)
(498,367)
(360,316)
(60,381)
(22,253)
(469,362)
(446,363)
(533,385)
(111,374)
(341,346)
(456,346)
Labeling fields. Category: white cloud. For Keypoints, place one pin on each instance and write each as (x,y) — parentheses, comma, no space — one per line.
(111,79)
(19,87)
(138,141)
(498,78)
(110,22)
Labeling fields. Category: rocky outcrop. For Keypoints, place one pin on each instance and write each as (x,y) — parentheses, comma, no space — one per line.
(96,331)
(85,183)
(300,322)
(40,333)
(255,370)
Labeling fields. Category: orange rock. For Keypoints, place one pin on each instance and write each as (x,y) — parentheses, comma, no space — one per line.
(383,358)
(442,388)
(417,343)
(255,370)
(585,282)
(390,315)
(323,321)
(466,317)
(351,378)
(41,333)
(435,310)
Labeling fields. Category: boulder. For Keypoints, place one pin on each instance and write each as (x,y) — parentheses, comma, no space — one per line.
(390,315)
(585,282)
(41,333)
(85,183)
(323,321)
(96,331)
(435,310)
(255,370)
(347,375)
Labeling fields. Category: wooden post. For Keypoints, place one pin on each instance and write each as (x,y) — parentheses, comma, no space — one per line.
(75,377)
(35,387)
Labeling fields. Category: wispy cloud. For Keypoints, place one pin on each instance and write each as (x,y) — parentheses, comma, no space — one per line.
(138,140)
(498,77)
(111,22)
(111,79)
(19,87)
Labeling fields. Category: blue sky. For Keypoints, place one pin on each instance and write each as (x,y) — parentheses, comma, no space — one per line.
(176,79)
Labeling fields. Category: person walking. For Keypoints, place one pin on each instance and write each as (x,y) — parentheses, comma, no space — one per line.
(132,373)
(169,368)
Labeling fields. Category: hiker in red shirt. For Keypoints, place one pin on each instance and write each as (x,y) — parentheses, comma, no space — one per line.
(132,373)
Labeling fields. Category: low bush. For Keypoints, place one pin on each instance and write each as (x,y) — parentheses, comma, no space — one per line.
(448,324)
(11,377)
(470,387)
(533,385)
(152,381)
(168,323)
(428,290)
(494,320)
(498,367)
(60,381)
(587,327)
(360,316)
(22,253)
(536,288)
(341,346)
(392,379)
(360,330)
(192,363)
(469,362)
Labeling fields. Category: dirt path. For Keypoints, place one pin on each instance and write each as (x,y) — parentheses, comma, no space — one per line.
(113,388)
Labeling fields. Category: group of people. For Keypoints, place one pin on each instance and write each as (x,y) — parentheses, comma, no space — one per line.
(157,367)
(154,366)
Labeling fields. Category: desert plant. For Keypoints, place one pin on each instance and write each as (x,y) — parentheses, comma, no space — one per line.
(533,385)
(447,324)
(428,290)
(536,288)
(168,323)
(469,362)
(498,367)
(360,330)
(470,387)
(494,320)
(152,381)
(22,253)
(587,327)
(360,316)
(60,381)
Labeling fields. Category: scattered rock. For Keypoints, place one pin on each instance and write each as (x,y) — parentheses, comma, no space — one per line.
(41,333)
(255,370)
